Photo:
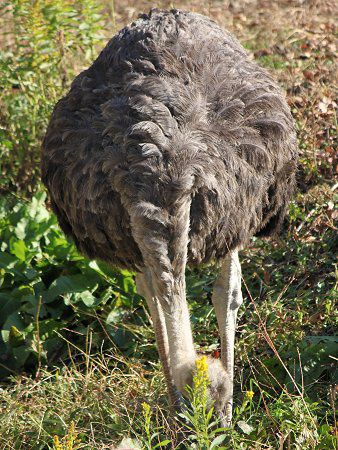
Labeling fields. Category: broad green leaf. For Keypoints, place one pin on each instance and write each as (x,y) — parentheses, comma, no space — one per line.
(19,249)
(8,305)
(245,427)
(37,209)
(31,273)
(128,282)
(16,337)
(218,440)
(23,290)
(105,270)
(106,295)
(69,285)
(114,316)
(15,320)
(87,297)
(21,355)
(20,229)
(7,261)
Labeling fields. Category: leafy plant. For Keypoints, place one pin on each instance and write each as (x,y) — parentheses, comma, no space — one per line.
(198,414)
(45,39)
(150,435)
(68,442)
(49,293)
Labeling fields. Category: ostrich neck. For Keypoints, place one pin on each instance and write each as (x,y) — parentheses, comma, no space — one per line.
(181,345)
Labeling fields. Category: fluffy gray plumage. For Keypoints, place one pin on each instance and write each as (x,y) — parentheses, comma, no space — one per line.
(172,111)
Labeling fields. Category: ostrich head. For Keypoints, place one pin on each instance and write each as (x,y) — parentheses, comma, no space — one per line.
(219,383)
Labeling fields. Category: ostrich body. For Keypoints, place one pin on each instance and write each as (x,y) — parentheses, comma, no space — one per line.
(173,148)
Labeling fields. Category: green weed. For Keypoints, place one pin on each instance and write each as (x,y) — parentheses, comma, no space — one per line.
(198,415)
(68,442)
(49,294)
(45,39)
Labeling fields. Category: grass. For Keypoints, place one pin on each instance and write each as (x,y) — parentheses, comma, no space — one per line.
(78,359)
(110,405)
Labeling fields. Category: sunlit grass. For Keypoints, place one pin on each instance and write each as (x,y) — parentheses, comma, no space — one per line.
(102,403)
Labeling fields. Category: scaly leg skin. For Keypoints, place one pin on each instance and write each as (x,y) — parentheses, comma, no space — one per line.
(227,298)
(144,288)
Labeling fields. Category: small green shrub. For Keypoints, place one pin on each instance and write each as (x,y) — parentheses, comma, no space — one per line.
(46,286)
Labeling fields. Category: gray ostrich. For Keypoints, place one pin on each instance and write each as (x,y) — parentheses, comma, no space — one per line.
(173,149)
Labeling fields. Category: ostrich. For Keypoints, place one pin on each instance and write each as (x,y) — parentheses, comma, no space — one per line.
(174,148)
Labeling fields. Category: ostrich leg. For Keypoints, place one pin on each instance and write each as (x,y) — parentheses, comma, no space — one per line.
(144,288)
(227,298)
